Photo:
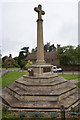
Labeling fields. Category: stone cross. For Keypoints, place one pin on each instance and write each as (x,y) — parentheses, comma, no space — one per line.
(40,46)
(40,11)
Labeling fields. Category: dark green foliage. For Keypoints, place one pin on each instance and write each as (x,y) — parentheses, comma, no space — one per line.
(52,48)
(32,51)
(16,62)
(6,115)
(78,84)
(0,62)
(16,58)
(46,47)
(25,50)
(9,116)
(21,59)
(74,109)
(49,48)
(22,64)
(5,109)
(16,65)
(64,59)
(22,55)
(4,58)
(69,55)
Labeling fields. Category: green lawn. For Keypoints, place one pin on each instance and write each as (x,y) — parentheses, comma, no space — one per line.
(78,84)
(70,76)
(10,68)
(10,77)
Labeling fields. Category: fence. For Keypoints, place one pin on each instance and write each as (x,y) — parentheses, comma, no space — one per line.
(62,114)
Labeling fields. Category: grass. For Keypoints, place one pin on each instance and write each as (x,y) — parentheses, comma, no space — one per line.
(78,84)
(70,76)
(10,77)
(10,68)
(9,116)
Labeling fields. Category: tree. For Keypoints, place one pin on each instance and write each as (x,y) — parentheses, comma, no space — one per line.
(32,51)
(77,54)
(25,50)
(16,62)
(46,47)
(21,59)
(0,62)
(52,48)
(4,58)
(65,59)
(49,48)
(22,64)
(68,55)
(16,59)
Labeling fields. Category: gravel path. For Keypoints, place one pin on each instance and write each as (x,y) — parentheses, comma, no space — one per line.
(4,71)
(75,80)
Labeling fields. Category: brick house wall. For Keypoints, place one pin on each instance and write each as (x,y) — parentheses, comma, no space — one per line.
(50,57)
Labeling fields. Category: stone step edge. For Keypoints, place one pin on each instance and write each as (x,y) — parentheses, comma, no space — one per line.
(41,84)
(33,110)
(16,100)
(7,101)
(41,77)
(67,90)
(44,109)
(29,94)
(40,94)
(73,104)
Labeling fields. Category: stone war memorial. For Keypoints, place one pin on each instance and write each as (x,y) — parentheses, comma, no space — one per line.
(40,90)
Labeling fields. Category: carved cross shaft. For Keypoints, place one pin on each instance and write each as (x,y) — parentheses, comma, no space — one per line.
(40,11)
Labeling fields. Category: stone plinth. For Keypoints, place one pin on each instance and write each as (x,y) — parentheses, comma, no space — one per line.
(42,69)
(43,93)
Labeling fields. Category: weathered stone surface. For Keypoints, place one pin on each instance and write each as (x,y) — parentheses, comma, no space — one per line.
(44,92)
(71,100)
(41,98)
(40,65)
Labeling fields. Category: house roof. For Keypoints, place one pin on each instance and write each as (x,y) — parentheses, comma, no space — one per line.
(47,55)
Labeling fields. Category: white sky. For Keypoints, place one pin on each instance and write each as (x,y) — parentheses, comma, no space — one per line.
(18,27)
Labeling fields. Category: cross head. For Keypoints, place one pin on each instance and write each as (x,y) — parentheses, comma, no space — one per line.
(40,11)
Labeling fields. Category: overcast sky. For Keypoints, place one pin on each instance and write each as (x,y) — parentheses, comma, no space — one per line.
(18,27)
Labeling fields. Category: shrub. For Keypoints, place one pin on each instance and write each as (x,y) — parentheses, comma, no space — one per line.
(28,64)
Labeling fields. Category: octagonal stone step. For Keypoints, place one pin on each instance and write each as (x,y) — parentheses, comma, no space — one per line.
(41,79)
(55,95)
(41,86)
(39,105)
